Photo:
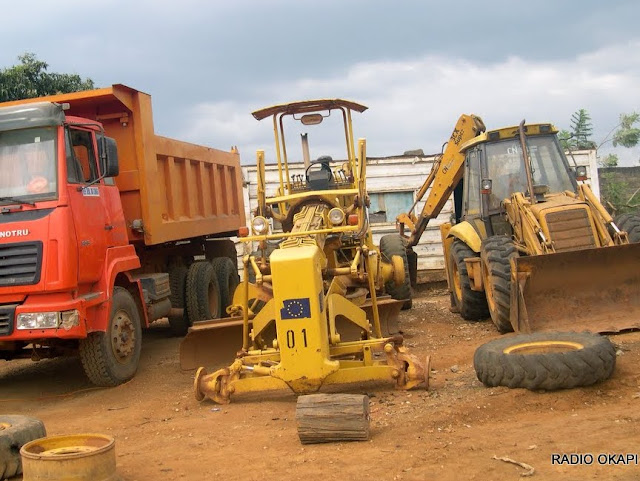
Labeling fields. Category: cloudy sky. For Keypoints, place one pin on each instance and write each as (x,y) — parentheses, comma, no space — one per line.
(417,64)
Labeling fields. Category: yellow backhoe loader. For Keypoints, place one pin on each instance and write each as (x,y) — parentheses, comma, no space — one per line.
(318,299)
(530,245)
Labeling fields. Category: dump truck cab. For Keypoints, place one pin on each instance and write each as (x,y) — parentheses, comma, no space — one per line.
(60,214)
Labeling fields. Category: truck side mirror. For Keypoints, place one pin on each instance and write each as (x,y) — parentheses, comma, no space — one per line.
(108,154)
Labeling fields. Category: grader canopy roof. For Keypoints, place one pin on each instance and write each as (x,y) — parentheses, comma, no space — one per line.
(307,106)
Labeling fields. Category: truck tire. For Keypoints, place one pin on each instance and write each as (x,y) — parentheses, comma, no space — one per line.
(227,274)
(111,358)
(178,279)
(545,360)
(471,304)
(15,432)
(203,292)
(393,245)
(496,253)
(631,224)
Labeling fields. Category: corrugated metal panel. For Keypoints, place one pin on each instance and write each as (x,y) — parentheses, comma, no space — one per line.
(397,174)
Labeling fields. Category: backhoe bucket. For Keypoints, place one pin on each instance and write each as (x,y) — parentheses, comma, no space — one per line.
(596,290)
(211,343)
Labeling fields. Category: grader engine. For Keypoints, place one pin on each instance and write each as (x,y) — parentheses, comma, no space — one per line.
(318,300)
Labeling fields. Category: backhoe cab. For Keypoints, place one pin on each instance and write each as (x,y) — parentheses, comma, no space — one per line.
(318,299)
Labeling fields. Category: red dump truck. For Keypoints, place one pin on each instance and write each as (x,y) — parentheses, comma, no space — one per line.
(106,227)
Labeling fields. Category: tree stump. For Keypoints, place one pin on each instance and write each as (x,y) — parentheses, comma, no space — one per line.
(326,418)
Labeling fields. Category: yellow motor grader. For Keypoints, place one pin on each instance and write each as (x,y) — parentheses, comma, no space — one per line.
(318,299)
(530,245)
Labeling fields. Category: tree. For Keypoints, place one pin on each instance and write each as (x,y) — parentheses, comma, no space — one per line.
(627,135)
(581,129)
(31,79)
(611,160)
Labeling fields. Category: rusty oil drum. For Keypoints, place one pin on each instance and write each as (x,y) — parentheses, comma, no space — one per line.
(77,457)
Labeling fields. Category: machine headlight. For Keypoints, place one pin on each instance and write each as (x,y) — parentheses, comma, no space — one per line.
(70,319)
(260,225)
(38,320)
(336,216)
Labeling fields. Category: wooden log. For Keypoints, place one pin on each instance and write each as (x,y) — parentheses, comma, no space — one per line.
(326,418)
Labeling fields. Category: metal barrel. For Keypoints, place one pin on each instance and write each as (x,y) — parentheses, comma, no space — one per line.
(596,290)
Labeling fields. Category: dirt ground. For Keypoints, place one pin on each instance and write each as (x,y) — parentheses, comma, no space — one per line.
(451,432)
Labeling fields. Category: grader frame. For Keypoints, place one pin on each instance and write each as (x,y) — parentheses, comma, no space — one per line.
(314,310)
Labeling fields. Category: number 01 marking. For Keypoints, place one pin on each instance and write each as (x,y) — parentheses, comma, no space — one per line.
(291,338)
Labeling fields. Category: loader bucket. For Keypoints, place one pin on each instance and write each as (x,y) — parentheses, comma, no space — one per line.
(596,290)
(211,343)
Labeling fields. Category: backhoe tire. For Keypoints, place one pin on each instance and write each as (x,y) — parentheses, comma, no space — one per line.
(472,305)
(203,292)
(111,358)
(631,224)
(545,360)
(178,280)
(227,274)
(15,432)
(496,253)
(393,245)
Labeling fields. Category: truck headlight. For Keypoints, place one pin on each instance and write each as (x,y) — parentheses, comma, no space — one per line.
(260,225)
(38,320)
(336,216)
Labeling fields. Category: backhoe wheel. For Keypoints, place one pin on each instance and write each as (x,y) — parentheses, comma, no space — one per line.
(631,224)
(111,358)
(16,431)
(545,360)
(203,292)
(393,245)
(227,274)
(472,305)
(178,279)
(496,253)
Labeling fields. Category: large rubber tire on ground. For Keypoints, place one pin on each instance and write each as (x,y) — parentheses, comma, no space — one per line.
(496,253)
(178,280)
(227,273)
(16,431)
(111,358)
(631,224)
(203,292)
(393,245)
(472,305)
(545,360)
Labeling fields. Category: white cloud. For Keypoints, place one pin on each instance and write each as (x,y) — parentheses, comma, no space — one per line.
(414,104)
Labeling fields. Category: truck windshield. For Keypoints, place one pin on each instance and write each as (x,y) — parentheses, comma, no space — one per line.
(505,167)
(28,165)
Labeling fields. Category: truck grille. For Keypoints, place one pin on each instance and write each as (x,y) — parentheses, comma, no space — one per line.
(6,319)
(20,263)
(570,230)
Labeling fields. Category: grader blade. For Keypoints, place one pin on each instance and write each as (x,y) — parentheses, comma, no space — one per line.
(211,343)
(596,290)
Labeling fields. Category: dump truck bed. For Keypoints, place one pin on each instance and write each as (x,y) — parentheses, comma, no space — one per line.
(177,189)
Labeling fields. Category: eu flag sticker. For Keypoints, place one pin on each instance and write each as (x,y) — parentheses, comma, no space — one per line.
(296,308)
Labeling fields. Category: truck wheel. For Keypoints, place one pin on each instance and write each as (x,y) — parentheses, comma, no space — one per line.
(496,253)
(393,245)
(111,358)
(178,279)
(545,360)
(203,292)
(472,305)
(631,224)
(227,274)
(16,431)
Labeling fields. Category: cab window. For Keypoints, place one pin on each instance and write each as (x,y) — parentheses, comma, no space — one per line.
(81,158)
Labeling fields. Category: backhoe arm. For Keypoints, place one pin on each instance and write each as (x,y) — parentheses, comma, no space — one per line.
(443,178)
